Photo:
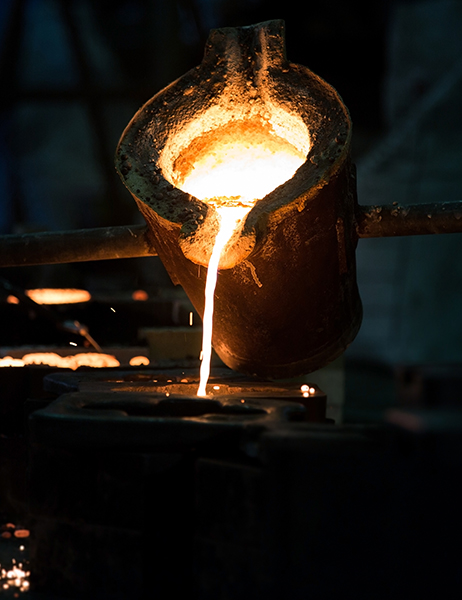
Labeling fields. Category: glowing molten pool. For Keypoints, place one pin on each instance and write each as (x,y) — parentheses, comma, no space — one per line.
(238,164)
(85,359)
(58,296)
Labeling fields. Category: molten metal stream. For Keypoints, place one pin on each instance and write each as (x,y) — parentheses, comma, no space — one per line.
(232,169)
(230,217)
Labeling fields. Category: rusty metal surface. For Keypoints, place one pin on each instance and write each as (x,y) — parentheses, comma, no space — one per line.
(417,219)
(102,243)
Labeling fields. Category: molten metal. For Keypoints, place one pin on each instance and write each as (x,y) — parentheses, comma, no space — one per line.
(241,162)
(84,359)
(230,217)
(58,296)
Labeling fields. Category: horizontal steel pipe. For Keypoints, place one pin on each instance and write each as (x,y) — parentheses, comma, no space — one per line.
(105,243)
(102,243)
(415,219)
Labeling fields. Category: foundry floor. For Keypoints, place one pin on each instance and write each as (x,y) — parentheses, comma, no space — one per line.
(369,390)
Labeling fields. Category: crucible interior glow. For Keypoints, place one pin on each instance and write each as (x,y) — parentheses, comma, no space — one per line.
(238,162)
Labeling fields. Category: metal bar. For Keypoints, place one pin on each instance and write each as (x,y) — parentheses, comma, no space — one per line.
(105,243)
(80,245)
(416,219)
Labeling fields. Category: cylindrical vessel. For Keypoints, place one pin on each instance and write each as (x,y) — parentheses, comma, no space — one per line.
(286,300)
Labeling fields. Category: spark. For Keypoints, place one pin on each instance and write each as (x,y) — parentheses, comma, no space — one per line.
(307,390)
(16,577)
